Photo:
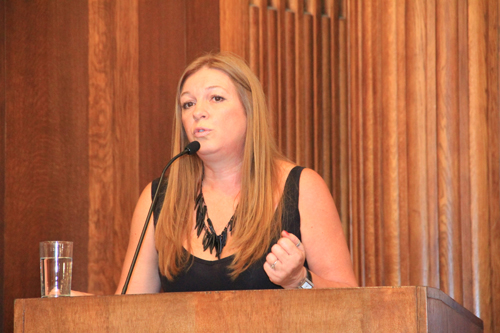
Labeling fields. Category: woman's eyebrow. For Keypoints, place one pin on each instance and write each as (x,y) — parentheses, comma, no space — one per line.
(207,88)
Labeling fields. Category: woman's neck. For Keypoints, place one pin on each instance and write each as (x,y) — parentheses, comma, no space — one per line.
(226,177)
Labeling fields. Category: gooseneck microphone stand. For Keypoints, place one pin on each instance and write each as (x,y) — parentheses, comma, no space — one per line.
(190,149)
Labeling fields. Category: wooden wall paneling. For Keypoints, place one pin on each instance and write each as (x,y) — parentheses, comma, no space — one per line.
(273,95)
(478,86)
(163,52)
(378,165)
(368,180)
(263,73)
(340,141)
(278,9)
(431,142)
(307,110)
(355,202)
(113,137)
(330,83)
(102,67)
(171,35)
(494,156)
(316,10)
(402,163)
(254,41)
(301,140)
(425,62)
(390,174)
(126,129)
(327,105)
(417,154)
(448,154)
(46,162)
(464,149)
(2,155)
(342,172)
(234,27)
(201,26)
(291,103)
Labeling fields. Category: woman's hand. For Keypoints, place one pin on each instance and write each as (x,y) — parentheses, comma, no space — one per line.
(285,263)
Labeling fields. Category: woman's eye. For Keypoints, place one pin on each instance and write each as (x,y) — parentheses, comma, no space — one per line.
(218,98)
(187,105)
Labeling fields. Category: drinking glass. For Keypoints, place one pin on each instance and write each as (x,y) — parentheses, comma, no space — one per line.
(56,265)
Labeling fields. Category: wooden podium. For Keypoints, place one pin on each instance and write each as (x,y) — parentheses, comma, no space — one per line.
(377,309)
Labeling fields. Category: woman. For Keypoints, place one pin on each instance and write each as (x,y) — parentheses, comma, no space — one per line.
(237,215)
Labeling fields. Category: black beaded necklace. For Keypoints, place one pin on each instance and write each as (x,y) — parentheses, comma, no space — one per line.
(210,239)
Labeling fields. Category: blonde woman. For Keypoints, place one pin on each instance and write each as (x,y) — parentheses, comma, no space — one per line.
(237,214)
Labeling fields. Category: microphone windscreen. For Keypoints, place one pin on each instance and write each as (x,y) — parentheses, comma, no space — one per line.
(192,147)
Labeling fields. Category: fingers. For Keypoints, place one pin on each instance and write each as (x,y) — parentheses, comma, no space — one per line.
(294,239)
(290,242)
(285,263)
(272,260)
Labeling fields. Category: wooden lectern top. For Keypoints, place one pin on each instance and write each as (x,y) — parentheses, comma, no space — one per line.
(375,309)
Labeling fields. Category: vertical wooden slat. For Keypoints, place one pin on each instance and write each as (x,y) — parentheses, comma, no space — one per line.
(494,156)
(113,135)
(448,166)
(314,7)
(282,69)
(368,142)
(2,153)
(307,109)
(327,106)
(417,157)
(431,134)
(480,223)
(263,75)
(273,80)
(354,141)
(402,180)
(332,137)
(254,55)
(297,7)
(264,51)
(390,145)
(101,209)
(343,129)
(126,130)
(291,104)
(377,142)
(463,114)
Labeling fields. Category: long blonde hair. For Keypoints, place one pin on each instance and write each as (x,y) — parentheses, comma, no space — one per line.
(256,223)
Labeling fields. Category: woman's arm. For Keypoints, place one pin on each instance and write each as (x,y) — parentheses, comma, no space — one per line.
(323,242)
(145,278)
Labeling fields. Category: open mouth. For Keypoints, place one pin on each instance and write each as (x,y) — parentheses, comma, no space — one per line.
(199,132)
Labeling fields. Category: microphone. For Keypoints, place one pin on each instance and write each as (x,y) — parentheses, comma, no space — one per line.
(190,149)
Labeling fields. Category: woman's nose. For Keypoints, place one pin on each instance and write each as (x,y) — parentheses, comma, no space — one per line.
(200,111)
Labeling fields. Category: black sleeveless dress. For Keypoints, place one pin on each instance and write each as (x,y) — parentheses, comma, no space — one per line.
(208,275)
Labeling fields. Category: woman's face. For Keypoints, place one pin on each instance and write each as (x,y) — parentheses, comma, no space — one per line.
(213,114)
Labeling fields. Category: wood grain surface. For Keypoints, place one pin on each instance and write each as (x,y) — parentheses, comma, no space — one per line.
(113,136)
(2,153)
(380,309)
(45,149)
(411,94)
